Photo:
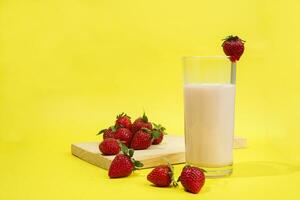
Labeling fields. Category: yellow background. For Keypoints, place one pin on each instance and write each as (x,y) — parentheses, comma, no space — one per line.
(67,67)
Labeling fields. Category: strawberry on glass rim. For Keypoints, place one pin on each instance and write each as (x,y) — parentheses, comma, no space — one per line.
(233,46)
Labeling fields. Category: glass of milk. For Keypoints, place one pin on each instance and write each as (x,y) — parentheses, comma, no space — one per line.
(209,114)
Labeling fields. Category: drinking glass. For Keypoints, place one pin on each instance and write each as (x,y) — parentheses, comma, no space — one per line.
(209,99)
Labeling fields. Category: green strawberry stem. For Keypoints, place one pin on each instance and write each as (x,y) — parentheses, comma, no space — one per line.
(155,134)
(100,132)
(160,128)
(137,164)
(113,128)
(122,115)
(174,182)
(125,150)
(145,118)
(233,72)
(129,152)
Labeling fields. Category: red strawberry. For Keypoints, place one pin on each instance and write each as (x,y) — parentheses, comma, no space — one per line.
(108,133)
(161,130)
(110,146)
(233,46)
(141,122)
(142,139)
(123,164)
(123,120)
(162,176)
(124,135)
(192,179)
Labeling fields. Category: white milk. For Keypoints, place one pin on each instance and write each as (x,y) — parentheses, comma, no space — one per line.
(209,124)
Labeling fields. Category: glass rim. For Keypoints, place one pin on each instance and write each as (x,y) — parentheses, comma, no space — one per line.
(205,57)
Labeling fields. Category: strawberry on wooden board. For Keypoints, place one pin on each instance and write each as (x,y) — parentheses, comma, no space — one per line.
(110,146)
(162,176)
(124,135)
(161,131)
(192,179)
(108,133)
(233,47)
(123,120)
(123,164)
(141,122)
(142,139)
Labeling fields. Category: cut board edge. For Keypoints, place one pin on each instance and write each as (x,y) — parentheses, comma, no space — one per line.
(95,159)
(90,157)
(173,158)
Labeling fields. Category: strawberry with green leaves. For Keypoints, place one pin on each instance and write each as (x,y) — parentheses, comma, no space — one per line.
(123,120)
(233,46)
(162,176)
(142,139)
(108,133)
(123,164)
(141,122)
(161,131)
(192,179)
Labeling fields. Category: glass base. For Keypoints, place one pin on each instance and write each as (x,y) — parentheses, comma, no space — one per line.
(217,172)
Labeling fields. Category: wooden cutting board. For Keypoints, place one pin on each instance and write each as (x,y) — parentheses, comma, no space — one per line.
(171,149)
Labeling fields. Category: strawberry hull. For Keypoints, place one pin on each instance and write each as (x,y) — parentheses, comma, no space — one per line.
(158,140)
(124,121)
